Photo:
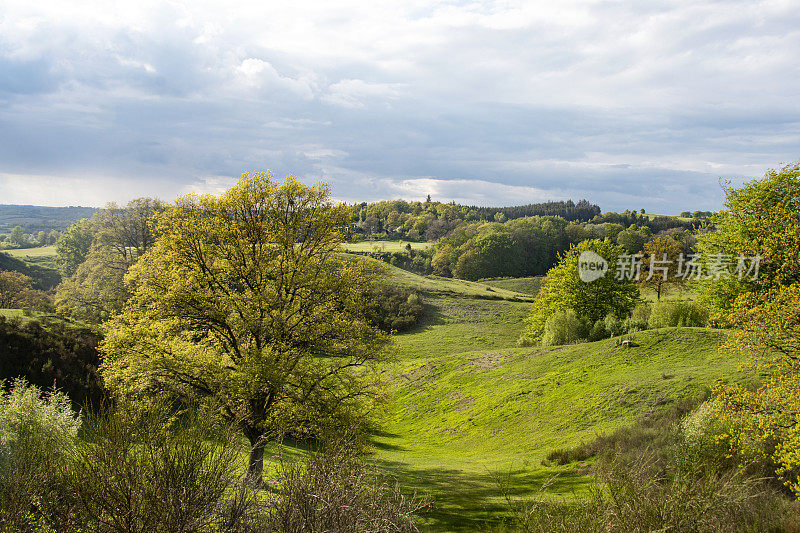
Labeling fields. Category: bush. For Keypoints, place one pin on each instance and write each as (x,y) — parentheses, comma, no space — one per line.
(37,437)
(51,352)
(564,327)
(664,473)
(678,314)
(394,309)
(156,472)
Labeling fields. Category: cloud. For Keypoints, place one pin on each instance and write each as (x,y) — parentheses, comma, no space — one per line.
(628,104)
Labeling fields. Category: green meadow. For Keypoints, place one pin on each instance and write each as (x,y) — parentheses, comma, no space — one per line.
(473,416)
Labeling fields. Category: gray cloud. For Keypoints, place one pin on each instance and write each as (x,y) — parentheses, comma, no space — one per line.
(627,104)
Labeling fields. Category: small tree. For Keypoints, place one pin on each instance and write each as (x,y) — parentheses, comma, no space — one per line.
(245,301)
(564,289)
(18,236)
(660,264)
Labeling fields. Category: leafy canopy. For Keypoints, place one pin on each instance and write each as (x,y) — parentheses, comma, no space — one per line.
(563,289)
(762,218)
(245,302)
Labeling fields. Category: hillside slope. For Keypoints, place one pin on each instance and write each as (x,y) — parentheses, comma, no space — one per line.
(471,412)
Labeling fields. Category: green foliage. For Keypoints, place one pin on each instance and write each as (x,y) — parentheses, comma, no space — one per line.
(155,471)
(678,313)
(16,292)
(519,248)
(393,309)
(762,218)
(633,238)
(399,219)
(73,246)
(96,288)
(334,489)
(564,327)
(37,436)
(591,301)
(245,300)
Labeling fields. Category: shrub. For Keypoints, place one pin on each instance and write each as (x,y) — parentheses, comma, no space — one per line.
(37,437)
(640,316)
(394,309)
(45,353)
(664,473)
(156,472)
(564,327)
(678,314)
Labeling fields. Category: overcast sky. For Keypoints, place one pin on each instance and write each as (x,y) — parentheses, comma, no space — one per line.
(637,104)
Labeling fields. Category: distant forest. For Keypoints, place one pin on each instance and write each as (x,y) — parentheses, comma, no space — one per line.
(34,218)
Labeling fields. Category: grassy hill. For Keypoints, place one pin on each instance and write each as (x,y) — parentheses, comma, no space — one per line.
(439,286)
(472,412)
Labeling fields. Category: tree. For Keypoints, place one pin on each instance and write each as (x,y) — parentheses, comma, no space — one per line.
(762,419)
(18,237)
(120,235)
(73,246)
(563,289)
(762,219)
(634,238)
(762,415)
(13,288)
(660,264)
(245,302)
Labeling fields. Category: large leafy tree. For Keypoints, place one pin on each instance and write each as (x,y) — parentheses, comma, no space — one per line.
(245,302)
(564,289)
(762,417)
(73,246)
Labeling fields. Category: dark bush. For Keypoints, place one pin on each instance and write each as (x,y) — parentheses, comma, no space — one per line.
(394,309)
(52,353)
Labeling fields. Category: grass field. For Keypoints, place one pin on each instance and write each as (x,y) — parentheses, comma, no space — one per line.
(384,246)
(44,256)
(42,251)
(438,286)
(472,412)
(11,313)
(528,286)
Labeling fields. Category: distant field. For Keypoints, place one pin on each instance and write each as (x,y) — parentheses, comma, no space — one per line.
(529,286)
(24,253)
(44,256)
(384,246)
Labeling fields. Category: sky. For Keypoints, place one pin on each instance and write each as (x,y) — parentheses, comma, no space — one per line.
(628,104)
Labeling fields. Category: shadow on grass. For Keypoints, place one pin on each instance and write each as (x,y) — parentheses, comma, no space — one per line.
(465,501)
(431,316)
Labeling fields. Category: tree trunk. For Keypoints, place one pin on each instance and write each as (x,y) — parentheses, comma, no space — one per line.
(658,293)
(255,464)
